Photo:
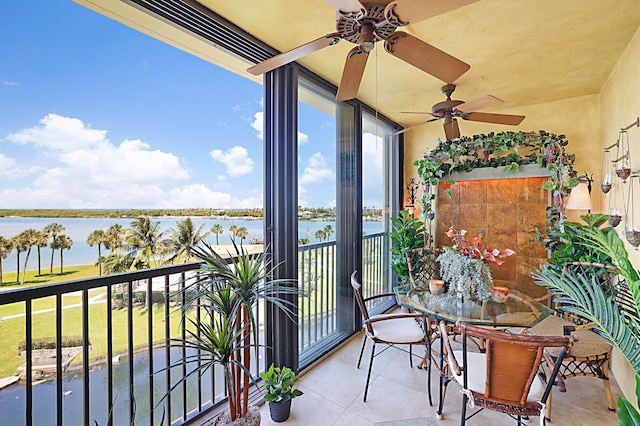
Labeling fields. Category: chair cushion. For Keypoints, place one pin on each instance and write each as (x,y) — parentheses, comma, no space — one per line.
(587,342)
(477,375)
(397,330)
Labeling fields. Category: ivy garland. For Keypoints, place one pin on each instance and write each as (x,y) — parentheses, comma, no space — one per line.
(508,150)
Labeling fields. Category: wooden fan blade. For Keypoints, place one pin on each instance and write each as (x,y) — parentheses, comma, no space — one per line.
(412,11)
(485,117)
(425,57)
(452,130)
(413,127)
(485,101)
(352,74)
(346,6)
(293,54)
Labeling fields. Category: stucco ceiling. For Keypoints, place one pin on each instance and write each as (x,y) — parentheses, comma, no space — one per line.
(522,51)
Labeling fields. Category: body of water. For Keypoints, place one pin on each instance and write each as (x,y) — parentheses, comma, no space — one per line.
(78,229)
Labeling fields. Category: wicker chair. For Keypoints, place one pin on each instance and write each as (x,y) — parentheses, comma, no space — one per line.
(506,377)
(388,329)
(590,354)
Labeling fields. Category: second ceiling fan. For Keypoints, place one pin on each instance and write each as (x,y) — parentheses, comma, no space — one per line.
(451,108)
(367,22)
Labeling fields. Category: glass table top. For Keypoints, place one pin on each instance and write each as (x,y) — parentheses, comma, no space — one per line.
(518,310)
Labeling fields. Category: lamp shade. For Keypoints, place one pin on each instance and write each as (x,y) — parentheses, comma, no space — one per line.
(579,198)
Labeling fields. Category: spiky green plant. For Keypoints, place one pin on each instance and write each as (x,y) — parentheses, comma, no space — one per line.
(226,292)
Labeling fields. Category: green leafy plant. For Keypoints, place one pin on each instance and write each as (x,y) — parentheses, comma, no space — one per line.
(279,383)
(408,233)
(467,277)
(588,300)
(508,150)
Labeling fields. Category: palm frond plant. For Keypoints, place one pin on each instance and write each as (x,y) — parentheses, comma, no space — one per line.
(583,296)
(226,292)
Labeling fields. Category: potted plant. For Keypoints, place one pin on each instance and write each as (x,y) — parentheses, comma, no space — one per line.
(408,233)
(226,293)
(279,382)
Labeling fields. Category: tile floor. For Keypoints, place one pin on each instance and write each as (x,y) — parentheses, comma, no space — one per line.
(334,390)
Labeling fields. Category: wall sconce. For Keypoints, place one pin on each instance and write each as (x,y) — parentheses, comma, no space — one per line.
(412,187)
(580,196)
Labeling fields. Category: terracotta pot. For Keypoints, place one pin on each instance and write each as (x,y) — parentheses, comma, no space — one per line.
(499,294)
(436,286)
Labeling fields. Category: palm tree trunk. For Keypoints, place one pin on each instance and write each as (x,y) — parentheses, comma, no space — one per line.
(18,267)
(0,271)
(24,270)
(99,257)
(61,250)
(52,252)
(39,262)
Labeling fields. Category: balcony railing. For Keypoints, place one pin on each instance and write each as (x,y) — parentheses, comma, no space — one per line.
(126,323)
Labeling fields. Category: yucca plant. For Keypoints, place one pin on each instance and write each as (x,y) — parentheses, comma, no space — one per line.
(589,300)
(226,293)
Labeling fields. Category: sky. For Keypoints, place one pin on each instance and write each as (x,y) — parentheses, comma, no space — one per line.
(94,114)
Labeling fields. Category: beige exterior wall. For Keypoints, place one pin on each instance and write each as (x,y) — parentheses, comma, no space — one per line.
(590,123)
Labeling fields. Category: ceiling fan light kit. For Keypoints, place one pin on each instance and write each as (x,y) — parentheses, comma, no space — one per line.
(365,23)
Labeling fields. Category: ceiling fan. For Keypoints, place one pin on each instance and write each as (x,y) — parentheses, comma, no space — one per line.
(450,109)
(367,22)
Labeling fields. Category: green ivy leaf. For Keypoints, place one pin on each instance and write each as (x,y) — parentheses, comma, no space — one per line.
(549,185)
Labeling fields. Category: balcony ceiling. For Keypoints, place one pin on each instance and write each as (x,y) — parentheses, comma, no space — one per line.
(524,52)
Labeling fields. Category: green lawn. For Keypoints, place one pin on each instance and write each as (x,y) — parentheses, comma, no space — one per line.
(12,330)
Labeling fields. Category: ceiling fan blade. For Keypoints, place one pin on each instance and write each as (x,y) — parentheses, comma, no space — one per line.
(346,7)
(352,74)
(412,11)
(485,101)
(510,120)
(425,57)
(399,132)
(293,54)
(451,130)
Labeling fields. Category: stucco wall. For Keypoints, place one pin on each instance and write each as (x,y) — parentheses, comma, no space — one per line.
(619,107)
(590,123)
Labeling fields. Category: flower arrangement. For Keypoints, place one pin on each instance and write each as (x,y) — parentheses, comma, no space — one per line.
(465,266)
(476,248)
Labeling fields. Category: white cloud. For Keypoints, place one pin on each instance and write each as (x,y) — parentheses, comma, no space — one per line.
(10,83)
(236,160)
(258,126)
(316,170)
(85,170)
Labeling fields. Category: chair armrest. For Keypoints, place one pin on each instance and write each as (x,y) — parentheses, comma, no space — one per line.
(452,362)
(395,316)
(379,296)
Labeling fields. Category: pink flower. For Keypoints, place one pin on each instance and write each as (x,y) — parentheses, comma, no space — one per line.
(476,249)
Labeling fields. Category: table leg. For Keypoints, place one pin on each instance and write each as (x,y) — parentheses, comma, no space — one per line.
(442,378)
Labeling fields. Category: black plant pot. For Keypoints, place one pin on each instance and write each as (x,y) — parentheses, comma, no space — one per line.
(280,411)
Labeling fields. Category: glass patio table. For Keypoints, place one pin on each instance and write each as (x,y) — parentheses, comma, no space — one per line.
(519,310)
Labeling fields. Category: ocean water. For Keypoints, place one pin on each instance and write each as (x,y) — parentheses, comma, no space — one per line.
(78,229)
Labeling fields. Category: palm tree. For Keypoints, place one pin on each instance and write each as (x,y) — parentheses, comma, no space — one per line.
(20,245)
(242,233)
(62,243)
(114,236)
(328,230)
(143,240)
(183,239)
(233,229)
(6,247)
(97,237)
(28,239)
(52,230)
(42,242)
(217,230)
(320,235)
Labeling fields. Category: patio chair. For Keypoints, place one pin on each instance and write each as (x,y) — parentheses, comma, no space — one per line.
(387,329)
(590,354)
(507,376)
